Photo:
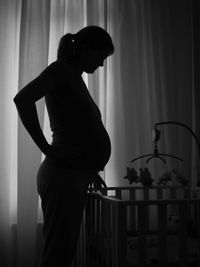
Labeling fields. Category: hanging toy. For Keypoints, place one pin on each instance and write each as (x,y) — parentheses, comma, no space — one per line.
(145,177)
(165,178)
(181,178)
(156,153)
(131,175)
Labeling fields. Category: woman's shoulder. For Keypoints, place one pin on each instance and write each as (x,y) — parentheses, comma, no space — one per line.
(62,67)
(63,71)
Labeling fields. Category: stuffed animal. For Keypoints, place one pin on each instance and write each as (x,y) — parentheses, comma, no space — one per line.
(145,177)
(131,175)
(165,178)
(180,178)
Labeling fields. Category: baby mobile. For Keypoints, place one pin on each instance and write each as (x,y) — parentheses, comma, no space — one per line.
(145,176)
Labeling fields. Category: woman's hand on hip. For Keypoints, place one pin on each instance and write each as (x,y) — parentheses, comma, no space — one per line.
(97,183)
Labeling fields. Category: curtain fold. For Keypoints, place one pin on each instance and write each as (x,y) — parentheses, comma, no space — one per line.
(10,12)
(152,76)
(33,58)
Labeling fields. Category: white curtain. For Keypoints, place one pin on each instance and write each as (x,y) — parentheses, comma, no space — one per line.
(151,80)
(148,79)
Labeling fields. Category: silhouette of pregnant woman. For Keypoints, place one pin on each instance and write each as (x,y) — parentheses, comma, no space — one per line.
(80,145)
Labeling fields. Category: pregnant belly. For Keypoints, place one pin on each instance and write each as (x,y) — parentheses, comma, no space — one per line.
(95,148)
(98,150)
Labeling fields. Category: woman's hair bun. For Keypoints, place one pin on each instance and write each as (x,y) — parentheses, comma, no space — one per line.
(66,48)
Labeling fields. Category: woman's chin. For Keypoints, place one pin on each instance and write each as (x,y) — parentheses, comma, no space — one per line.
(90,70)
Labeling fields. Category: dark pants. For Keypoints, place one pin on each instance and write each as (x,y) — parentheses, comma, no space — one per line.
(63,196)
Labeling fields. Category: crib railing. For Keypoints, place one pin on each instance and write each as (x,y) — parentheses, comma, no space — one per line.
(154,192)
(118,212)
(110,222)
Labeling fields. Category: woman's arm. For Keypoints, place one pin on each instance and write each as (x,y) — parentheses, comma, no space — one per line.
(25,103)
(29,117)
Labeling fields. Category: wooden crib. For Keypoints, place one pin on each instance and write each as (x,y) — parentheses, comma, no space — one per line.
(141,226)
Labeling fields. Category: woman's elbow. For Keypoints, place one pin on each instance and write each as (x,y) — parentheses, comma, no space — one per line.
(22,98)
(16,99)
(19,100)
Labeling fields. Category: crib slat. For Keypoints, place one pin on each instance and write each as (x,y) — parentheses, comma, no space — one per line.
(98,229)
(183,236)
(121,235)
(98,215)
(118,236)
(146,197)
(92,232)
(105,232)
(118,193)
(87,224)
(108,243)
(114,240)
(119,224)
(146,193)
(132,211)
(162,229)
(172,192)
(103,217)
(186,193)
(142,232)
(198,230)
(159,193)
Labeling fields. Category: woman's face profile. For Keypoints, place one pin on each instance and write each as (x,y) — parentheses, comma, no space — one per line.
(92,59)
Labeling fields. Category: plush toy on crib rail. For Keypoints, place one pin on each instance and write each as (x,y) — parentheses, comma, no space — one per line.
(131,175)
(166,177)
(144,177)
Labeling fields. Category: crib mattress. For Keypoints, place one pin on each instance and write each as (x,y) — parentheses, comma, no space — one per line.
(152,250)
